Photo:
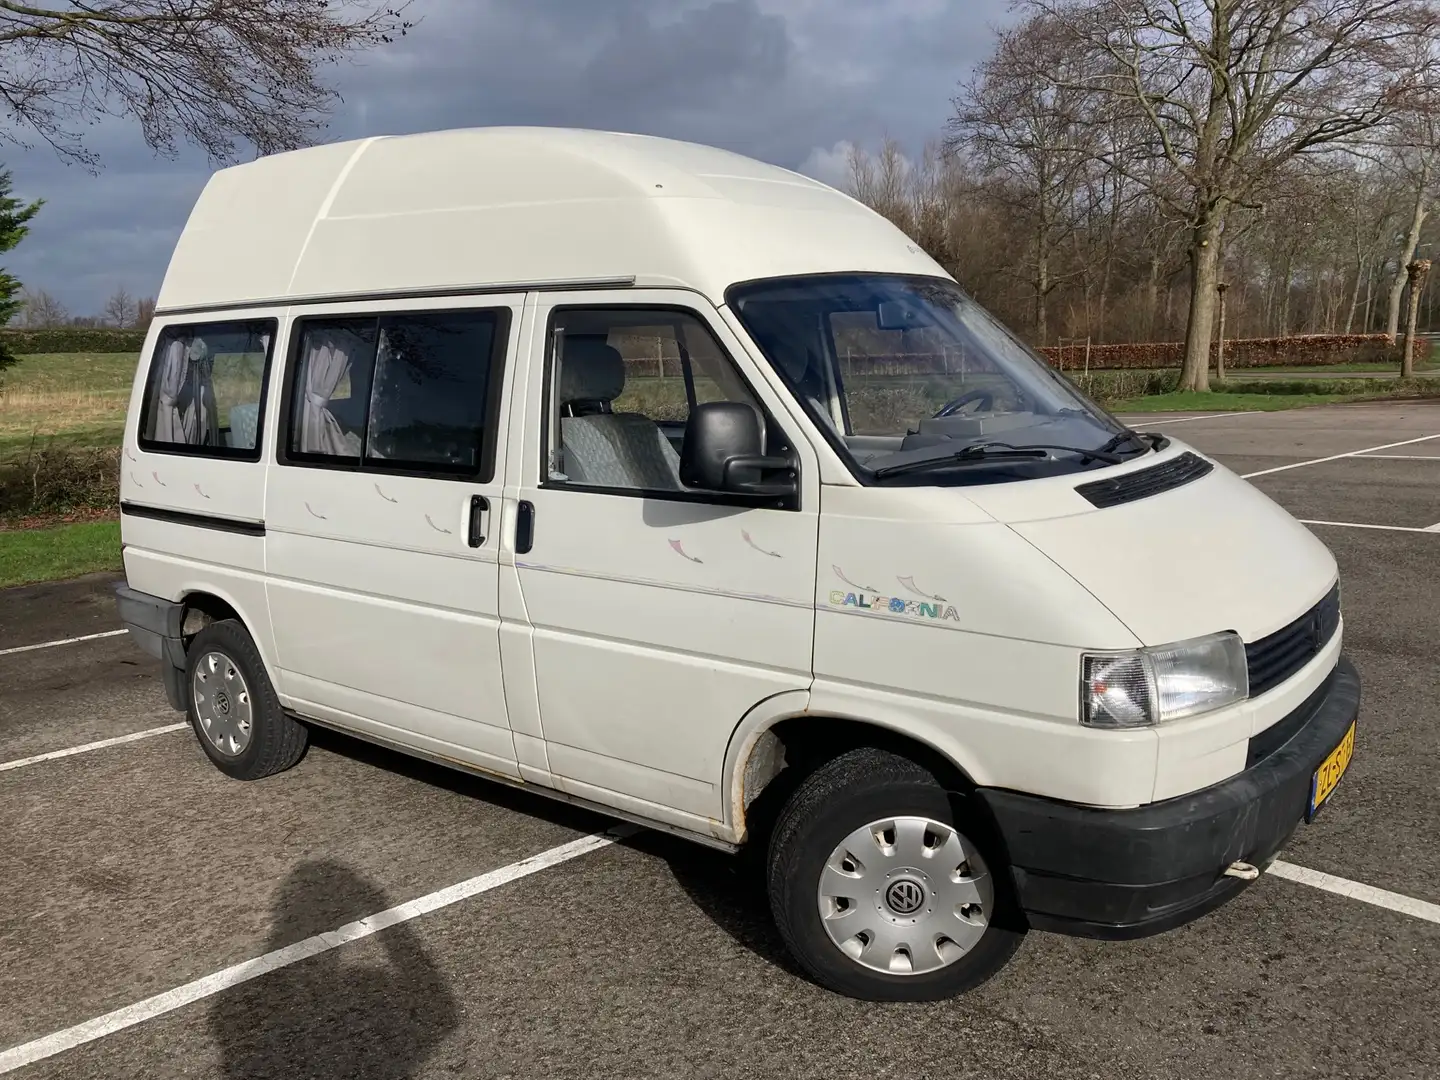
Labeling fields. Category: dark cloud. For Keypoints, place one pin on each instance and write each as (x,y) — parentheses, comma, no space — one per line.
(787,81)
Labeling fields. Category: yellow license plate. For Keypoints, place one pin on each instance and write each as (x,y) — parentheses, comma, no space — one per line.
(1330,771)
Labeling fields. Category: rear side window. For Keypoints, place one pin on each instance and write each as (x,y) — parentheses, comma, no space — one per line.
(205,392)
(398,393)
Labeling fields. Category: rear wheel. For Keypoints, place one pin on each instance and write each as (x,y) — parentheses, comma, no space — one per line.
(882,889)
(233,706)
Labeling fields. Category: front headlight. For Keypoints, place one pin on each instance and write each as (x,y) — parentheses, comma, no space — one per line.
(1167,682)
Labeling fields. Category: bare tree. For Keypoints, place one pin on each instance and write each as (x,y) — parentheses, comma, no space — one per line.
(207,72)
(120,309)
(1025,133)
(144,311)
(1234,90)
(42,311)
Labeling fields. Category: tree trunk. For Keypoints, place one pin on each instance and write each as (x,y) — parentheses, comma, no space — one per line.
(1220,341)
(1042,292)
(1355,295)
(1417,272)
(1285,294)
(1407,256)
(1152,297)
(1204,272)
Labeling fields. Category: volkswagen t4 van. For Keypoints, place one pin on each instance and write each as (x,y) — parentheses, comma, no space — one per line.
(679,486)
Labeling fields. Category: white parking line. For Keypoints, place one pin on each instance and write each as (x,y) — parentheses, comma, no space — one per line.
(1187,419)
(1337,457)
(1368,894)
(62,641)
(1404,457)
(208,986)
(71,751)
(1361,525)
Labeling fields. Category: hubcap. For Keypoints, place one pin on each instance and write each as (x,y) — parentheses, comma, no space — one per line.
(905,895)
(222,703)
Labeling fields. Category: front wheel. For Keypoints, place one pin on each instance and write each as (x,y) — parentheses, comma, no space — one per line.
(880,892)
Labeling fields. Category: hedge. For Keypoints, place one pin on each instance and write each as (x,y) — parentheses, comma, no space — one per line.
(1310,350)
(71,339)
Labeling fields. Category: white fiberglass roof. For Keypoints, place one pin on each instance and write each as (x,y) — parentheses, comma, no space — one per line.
(450,210)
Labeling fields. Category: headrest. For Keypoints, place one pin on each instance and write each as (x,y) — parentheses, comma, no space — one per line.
(590,370)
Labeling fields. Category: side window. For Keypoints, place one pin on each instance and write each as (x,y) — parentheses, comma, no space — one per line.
(403,392)
(622,384)
(205,391)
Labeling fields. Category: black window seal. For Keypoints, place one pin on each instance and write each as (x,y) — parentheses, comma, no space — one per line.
(714,498)
(215,453)
(494,391)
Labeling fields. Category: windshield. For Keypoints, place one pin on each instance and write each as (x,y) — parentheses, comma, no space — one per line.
(916,383)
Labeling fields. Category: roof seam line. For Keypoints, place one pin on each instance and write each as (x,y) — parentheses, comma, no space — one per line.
(324,209)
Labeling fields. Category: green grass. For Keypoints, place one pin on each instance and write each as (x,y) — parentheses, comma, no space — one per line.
(1210,401)
(1301,369)
(71,371)
(31,555)
(72,399)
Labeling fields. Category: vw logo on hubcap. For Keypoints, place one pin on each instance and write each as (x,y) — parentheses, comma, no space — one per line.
(905,897)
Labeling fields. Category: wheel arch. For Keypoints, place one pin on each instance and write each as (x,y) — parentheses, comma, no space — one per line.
(784,737)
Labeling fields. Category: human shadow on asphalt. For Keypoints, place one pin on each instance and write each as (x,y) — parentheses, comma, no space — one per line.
(364,1011)
(728,889)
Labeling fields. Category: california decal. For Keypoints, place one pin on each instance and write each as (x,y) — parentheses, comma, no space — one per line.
(893,605)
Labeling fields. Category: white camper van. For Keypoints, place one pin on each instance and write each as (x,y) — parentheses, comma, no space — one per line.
(672,484)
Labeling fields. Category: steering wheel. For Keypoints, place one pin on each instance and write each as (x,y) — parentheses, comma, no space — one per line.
(987,397)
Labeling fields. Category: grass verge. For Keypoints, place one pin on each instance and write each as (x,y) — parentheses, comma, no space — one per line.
(28,556)
(1190,401)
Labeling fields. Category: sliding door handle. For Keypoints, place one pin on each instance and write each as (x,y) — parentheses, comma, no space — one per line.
(525,528)
(479,506)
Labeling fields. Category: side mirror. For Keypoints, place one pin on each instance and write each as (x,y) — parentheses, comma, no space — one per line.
(723,451)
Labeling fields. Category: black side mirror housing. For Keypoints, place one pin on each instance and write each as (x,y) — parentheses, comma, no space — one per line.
(724,451)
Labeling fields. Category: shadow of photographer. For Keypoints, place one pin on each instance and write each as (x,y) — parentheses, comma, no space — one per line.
(375,1009)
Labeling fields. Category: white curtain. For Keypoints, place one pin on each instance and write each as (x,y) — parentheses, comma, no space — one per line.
(170,416)
(327,359)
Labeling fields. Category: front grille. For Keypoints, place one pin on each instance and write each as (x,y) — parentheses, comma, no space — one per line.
(1143,483)
(1286,728)
(1275,658)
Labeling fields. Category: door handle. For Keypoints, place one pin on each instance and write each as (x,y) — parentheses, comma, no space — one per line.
(525,528)
(479,505)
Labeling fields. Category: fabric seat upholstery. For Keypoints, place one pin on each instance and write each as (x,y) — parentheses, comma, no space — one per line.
(600,446)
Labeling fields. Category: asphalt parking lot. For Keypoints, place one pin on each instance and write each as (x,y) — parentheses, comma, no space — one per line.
(135,868)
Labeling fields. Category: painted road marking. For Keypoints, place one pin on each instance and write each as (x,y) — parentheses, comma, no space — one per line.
(28,1053)
(1337,457)
(1367,894)
(1404,457)
(1362,525)
(62,641)
(119,740)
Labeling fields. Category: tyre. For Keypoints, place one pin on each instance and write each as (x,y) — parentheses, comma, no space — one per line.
(881,890)
(233,708)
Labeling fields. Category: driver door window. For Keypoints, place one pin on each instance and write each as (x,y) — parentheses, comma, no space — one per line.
(622,384)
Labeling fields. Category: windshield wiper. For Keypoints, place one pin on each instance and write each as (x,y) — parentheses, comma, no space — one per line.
(992,451)
(1129,435)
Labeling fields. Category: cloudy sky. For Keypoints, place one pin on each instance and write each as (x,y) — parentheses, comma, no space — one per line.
(787,81)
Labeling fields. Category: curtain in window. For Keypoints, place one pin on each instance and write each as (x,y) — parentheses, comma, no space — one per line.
(327,359)
(170,415)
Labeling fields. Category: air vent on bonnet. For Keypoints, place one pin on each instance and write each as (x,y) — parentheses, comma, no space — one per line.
(1143,483)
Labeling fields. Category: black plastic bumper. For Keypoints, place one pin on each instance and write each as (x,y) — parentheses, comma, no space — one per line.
(156,625)
(1132,873)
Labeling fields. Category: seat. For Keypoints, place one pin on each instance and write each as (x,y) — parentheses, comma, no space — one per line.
(600,446)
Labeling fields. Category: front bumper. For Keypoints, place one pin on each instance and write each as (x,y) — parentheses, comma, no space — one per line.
(1133,873)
